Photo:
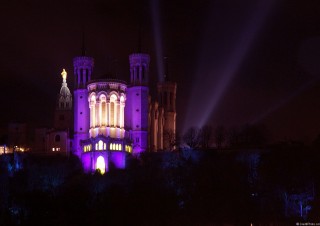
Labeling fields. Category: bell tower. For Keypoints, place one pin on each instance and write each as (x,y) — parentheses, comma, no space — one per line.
(167,91)
(138,102)
(83,67)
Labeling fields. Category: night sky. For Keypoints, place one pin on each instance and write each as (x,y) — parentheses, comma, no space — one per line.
(235,62)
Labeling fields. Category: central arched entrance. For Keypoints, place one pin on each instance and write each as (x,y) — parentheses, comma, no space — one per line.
(101,165)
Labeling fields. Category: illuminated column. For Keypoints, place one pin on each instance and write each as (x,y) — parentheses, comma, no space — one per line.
(97,114)
(118,114)
(91,116)
(122,112)
(116,119)
(108,113)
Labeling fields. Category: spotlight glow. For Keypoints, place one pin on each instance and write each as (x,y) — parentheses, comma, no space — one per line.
(213,78)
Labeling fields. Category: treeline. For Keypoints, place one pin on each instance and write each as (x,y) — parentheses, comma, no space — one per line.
(184,187)
(247,136)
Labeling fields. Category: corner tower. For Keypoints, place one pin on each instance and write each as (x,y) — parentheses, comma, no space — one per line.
(167,91)
(83,67)
(138,103)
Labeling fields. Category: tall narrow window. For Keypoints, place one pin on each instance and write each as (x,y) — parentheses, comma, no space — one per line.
(81,76)
(138,74)
(103,110)
(103,113)
(87,75)
(143,71)
(113,110)
(100,145)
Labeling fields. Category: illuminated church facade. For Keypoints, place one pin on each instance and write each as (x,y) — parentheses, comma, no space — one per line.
(114,119)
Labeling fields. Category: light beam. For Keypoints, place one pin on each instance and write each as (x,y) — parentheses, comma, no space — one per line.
(209,90)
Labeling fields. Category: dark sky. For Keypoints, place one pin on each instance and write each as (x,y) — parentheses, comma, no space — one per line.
(235,62)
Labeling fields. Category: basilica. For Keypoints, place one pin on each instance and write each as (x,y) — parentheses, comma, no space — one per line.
(111,119)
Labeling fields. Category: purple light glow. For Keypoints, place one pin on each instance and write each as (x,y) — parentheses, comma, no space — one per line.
(89,160)
(118,159)
(212,81)
(86,162)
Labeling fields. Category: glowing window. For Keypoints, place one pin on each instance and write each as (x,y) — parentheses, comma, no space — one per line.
(96,146)
(120,147)
(100,145)
(100,165)
(113,117)
(110,146)
(103,113)
(113,146)
(104,146)
(103,106)
(117,147)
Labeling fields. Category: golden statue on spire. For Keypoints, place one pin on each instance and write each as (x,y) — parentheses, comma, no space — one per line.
(64,74)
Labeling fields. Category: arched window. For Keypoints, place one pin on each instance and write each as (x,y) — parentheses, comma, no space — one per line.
(110,146)
(103,113)
(113,112)
(101,165)
(57,138)
(100,145)
(103,116)
(113,146)
(120,147)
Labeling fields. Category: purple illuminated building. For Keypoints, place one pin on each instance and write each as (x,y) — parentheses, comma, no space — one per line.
(113,119)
